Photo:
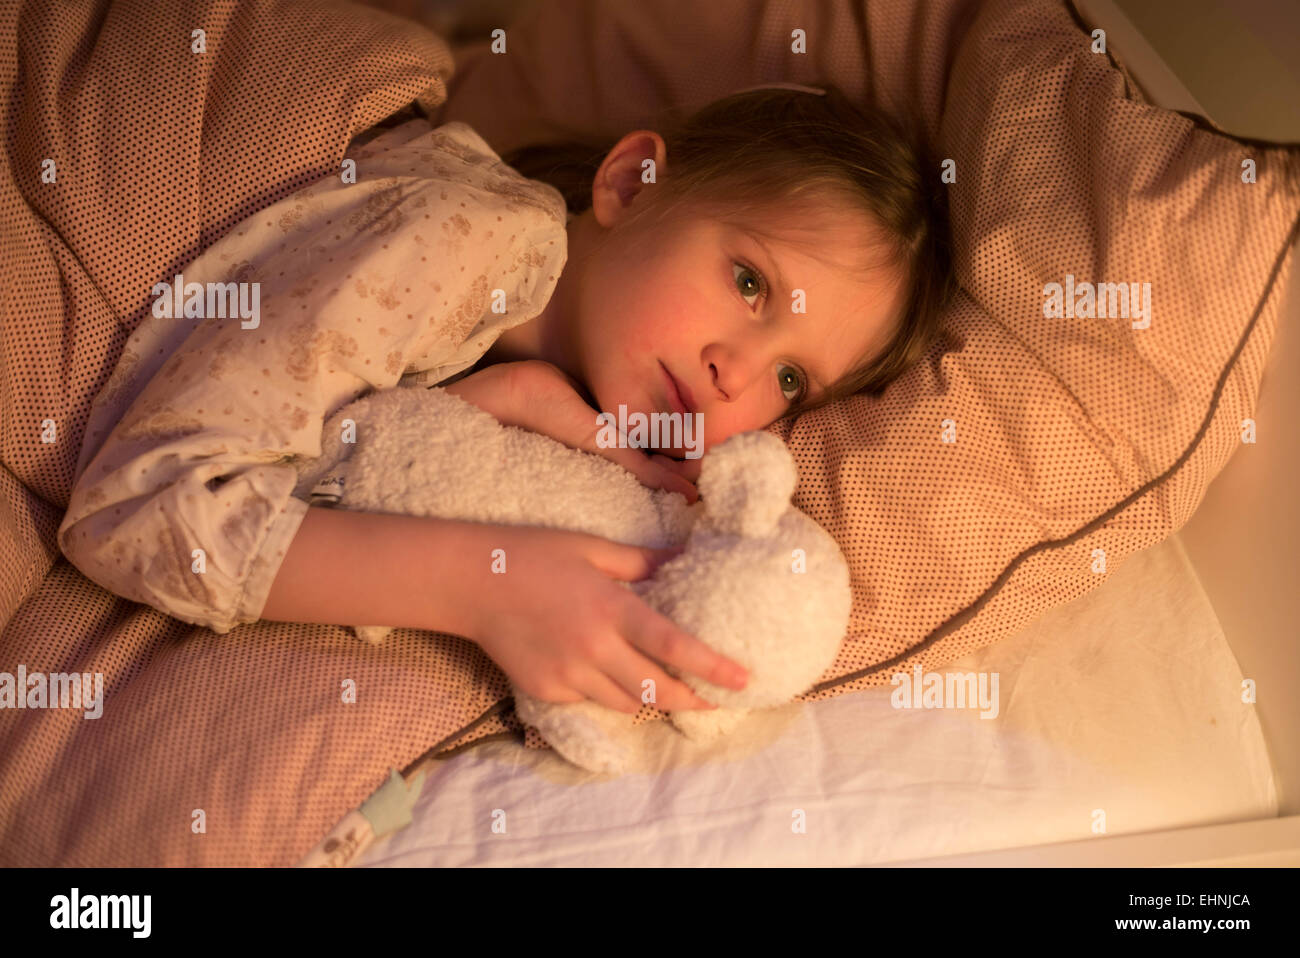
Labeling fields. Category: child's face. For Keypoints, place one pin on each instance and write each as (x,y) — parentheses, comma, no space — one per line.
(681,296)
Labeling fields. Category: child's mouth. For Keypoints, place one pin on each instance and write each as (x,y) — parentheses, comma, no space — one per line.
(673,393)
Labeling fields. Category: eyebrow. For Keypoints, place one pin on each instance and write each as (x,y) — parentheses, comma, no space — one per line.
(780,287)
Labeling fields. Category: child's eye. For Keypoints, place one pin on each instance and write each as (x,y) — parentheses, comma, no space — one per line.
(757,283)
(784,377)
(785,372)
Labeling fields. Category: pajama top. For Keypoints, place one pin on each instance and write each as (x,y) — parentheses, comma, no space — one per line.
(399,278)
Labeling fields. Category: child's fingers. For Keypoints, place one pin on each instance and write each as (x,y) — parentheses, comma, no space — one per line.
(674,483)
(628,563)
(649,472)
(686,468)
(602,689)
(660,638)
(631,670)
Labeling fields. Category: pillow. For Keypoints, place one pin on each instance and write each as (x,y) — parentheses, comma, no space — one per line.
(1029,455)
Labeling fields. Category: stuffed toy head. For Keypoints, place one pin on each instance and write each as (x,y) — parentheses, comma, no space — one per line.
(758,581)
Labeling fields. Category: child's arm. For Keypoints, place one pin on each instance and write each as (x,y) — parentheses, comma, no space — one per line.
(364,568)
(369,568)
(557,623)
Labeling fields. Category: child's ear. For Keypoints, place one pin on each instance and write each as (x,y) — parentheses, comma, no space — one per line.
(635,163)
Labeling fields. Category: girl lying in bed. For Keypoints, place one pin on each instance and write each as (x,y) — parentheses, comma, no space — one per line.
(777,250)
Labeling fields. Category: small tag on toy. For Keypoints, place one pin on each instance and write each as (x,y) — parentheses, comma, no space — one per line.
(329,491)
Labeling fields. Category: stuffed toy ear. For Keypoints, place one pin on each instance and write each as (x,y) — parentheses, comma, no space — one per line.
(746,483)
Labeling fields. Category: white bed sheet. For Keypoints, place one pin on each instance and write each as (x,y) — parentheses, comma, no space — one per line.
(1127,700)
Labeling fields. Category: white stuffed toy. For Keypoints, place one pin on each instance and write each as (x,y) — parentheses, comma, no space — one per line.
(758,581)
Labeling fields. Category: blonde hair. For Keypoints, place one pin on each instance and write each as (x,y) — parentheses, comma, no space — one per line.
(767,146)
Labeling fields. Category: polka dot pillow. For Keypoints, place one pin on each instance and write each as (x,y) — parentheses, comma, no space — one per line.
(1048,435)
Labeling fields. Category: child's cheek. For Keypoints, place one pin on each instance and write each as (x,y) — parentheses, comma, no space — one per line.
(671,324)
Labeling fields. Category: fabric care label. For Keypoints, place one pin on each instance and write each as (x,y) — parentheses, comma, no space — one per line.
(329,491)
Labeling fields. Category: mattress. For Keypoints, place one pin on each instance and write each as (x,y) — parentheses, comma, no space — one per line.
(1118,713)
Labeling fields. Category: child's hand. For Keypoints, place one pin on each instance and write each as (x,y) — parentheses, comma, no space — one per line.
(541,397)
(560,626)
(688,469)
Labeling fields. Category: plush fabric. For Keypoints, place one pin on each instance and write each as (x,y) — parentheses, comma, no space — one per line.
(1075,441)
(757,581)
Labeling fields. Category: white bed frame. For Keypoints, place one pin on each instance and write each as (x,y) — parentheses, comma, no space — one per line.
(1243,544)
